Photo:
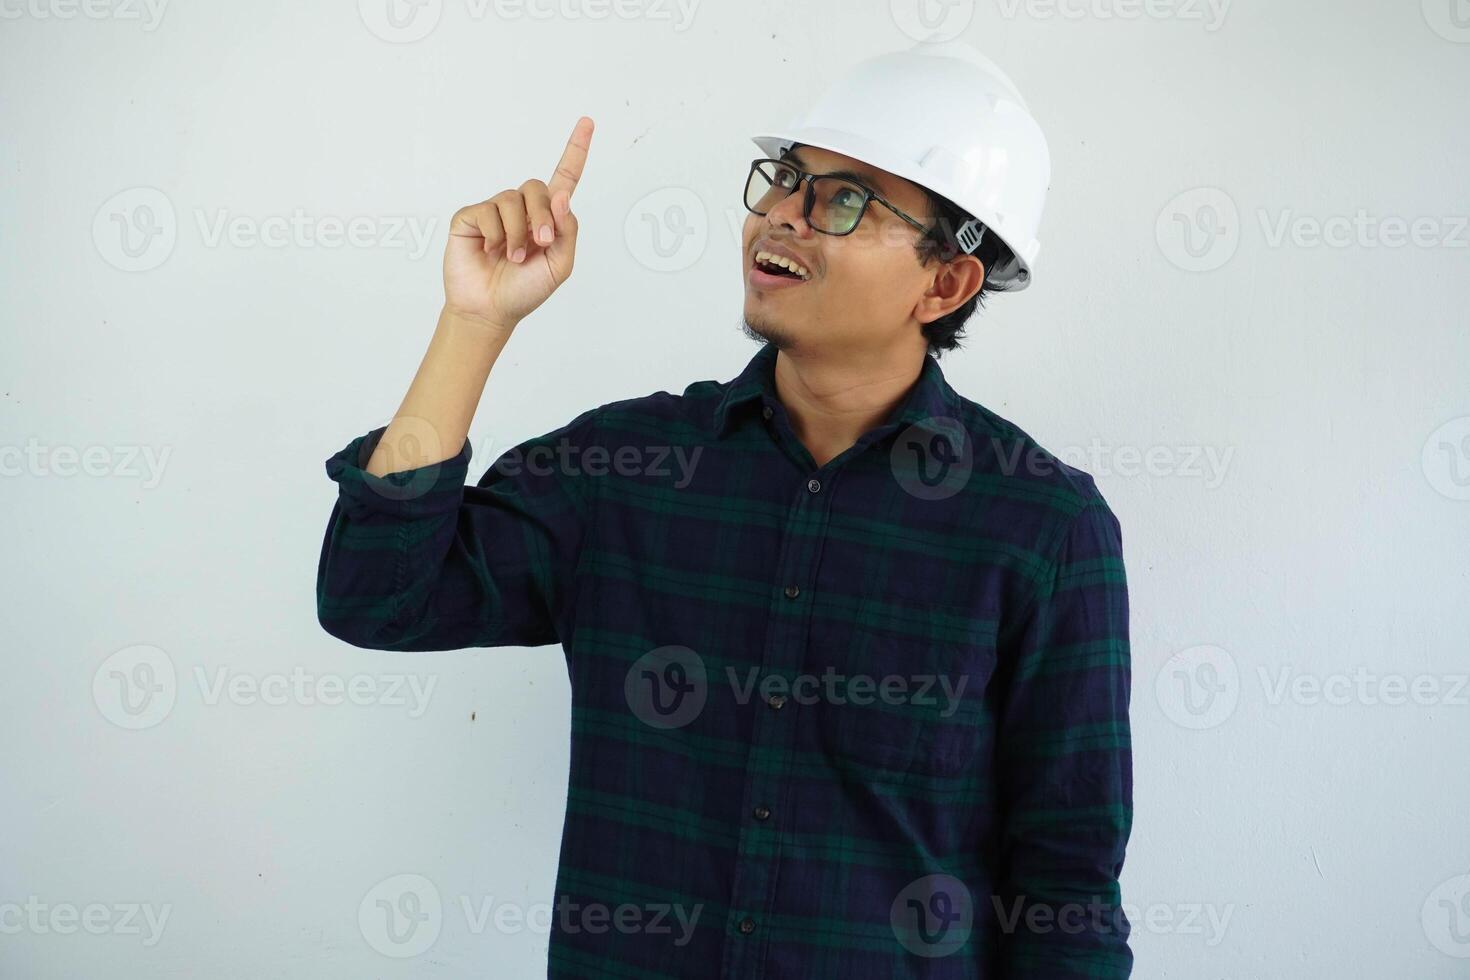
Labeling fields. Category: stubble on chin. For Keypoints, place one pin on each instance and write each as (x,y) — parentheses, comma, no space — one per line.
(761,328)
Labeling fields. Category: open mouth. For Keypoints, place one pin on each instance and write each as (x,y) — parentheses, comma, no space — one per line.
(780,265)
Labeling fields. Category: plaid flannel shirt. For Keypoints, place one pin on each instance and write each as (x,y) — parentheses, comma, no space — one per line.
(861,720)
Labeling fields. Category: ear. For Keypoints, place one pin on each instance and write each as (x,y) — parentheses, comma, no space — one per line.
(953,284)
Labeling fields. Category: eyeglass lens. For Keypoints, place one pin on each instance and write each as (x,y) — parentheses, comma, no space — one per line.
(836,206)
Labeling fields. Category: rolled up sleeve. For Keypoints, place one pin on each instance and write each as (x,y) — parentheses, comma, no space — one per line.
(417,560)
(1065,764)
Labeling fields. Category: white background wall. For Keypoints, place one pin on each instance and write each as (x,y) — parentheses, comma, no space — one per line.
(1303,520)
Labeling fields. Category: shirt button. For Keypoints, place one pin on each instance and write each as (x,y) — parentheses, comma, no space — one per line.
(814,485)
(766,412)
(776,701)
(762,813)
(792,592)
(747,925)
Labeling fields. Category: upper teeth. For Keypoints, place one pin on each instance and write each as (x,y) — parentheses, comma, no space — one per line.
(771,258)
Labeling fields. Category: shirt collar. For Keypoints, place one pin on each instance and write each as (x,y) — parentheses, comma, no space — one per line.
(931,398)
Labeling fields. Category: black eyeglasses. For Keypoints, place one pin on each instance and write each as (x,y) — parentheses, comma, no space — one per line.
(833,205)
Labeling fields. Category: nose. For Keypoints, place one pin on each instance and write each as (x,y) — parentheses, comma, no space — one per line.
(788,211)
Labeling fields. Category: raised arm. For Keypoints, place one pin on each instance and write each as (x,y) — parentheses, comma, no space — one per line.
(412,558)
(505,257)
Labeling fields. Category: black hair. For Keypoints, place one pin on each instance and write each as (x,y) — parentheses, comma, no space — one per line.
(938,243)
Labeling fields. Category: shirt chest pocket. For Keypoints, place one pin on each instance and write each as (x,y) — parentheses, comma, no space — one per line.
(902,685)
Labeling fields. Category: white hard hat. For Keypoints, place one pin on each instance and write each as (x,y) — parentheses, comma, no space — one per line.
(944,116)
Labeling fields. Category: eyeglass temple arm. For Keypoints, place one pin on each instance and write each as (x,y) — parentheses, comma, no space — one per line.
(967,236)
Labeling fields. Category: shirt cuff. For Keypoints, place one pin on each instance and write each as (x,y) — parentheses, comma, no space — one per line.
(425,491)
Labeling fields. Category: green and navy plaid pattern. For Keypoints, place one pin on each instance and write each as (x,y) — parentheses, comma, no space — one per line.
(862,720)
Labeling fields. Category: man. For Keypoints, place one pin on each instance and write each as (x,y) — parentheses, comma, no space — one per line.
(848,652)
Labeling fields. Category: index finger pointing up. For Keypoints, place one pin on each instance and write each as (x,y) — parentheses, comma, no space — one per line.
(569,167)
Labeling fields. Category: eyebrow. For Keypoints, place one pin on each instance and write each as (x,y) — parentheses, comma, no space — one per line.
(868,180)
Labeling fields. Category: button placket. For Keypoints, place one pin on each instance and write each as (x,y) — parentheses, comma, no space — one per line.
(773,733)
(779,429)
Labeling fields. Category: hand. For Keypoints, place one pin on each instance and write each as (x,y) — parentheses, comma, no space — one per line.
(506,255)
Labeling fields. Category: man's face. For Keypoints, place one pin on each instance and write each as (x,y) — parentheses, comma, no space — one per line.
(864,287)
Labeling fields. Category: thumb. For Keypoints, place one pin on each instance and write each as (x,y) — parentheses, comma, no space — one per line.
(563,247)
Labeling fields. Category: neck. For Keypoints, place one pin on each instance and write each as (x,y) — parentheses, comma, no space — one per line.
(833,402)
